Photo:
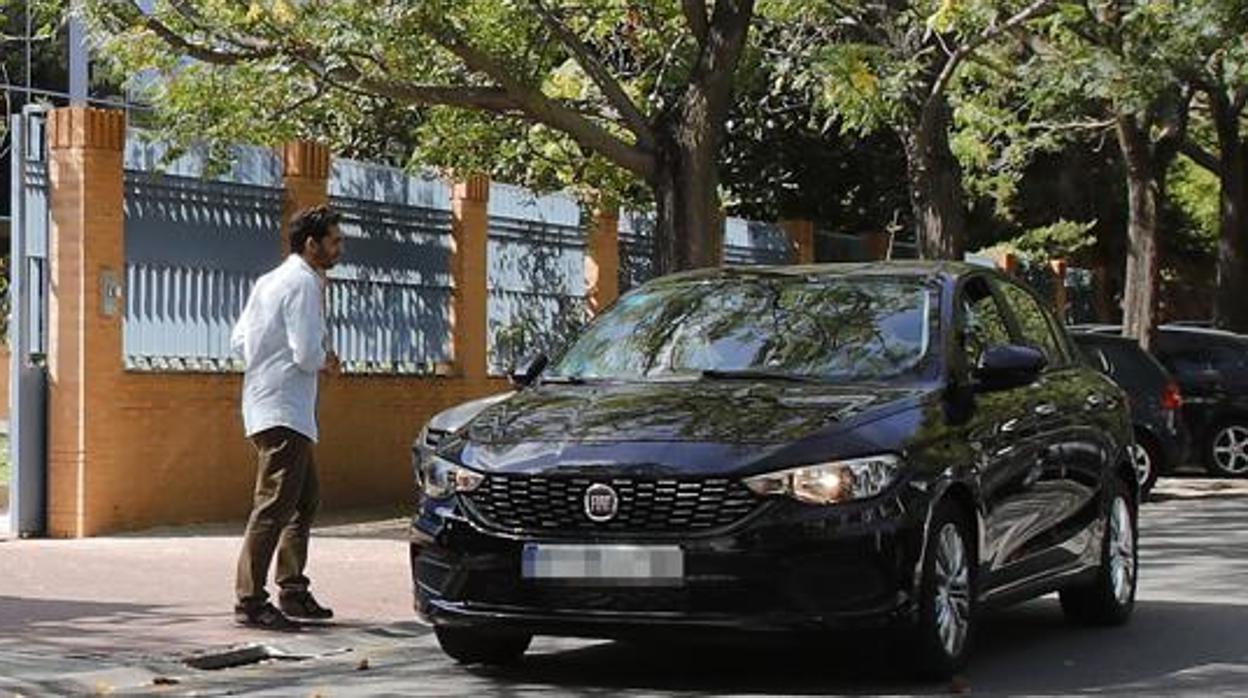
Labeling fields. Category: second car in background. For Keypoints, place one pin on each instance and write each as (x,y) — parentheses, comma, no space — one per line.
(1161,439)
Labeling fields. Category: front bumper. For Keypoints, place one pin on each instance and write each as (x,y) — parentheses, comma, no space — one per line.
(787,566)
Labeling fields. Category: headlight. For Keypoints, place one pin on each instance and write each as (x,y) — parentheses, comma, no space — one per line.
(829,483)
(441,478)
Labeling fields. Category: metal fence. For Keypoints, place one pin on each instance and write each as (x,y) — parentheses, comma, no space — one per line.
(752,242)
(389,306)
(536,274)
(195,244)
(636,240)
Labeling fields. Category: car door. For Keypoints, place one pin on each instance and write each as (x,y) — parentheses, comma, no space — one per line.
(1003,436)
(1073,450)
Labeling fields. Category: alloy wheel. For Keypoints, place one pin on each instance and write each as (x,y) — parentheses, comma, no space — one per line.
(953,589)
(1230,449)
(1121,550)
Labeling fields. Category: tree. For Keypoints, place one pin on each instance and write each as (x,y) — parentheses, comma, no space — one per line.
(642,87)
(891,65)
(1121,61)
(1219,71)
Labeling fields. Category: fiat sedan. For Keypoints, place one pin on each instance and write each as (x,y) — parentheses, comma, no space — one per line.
(783,449)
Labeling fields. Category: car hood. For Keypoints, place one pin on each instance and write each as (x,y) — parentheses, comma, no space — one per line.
(695,411)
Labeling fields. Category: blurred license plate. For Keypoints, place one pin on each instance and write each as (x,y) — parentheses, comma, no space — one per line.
(623,564)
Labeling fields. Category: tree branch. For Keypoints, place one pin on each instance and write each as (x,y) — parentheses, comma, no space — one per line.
(1199,155)
(131,12)
(695,16)
(992,32)
(542,109)
(634,120)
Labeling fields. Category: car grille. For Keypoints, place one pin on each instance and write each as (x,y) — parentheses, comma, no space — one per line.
(526,503)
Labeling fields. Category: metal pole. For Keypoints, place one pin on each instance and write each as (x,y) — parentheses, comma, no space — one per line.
(18,302)
(78,56)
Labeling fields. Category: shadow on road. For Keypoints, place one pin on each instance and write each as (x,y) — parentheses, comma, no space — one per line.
(1025,650)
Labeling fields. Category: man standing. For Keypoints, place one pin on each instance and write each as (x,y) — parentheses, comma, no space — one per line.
(281,337)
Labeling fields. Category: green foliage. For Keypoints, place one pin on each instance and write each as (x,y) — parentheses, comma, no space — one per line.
(1061,240)
(272,98)
(1193,192)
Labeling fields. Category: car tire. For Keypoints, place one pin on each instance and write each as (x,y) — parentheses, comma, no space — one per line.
(939,641)
(1147,460)
(1109,597)
(1226,451)
(474,646)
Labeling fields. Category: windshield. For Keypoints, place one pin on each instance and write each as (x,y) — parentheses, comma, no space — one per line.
(837,329)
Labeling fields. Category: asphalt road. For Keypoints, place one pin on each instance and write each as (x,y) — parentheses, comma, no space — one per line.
(1189,636)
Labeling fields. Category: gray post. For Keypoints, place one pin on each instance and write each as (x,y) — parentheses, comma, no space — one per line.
(28,381)
(78,56)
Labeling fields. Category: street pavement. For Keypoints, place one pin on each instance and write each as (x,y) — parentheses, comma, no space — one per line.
(124,615)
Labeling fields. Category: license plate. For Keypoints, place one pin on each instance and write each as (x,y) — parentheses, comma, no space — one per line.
(604,564)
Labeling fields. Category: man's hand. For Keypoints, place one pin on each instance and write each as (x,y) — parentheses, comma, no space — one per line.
(332,366)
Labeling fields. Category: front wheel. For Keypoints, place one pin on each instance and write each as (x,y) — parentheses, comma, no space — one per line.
(1110,597)
(473,646)
(940,641)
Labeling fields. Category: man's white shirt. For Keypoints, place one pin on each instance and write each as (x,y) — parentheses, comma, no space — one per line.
(281,339)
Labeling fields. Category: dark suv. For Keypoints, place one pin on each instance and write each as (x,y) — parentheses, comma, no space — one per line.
(790,448)
(1160,437)
(1211,367)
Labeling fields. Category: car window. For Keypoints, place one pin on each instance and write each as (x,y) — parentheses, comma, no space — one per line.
(983,324)
(1033,322)
(836,329)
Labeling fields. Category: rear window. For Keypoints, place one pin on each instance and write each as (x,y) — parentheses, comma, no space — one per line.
(1130,360)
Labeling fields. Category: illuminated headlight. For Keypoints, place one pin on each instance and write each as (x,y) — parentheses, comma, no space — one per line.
(830,483)
(441,478)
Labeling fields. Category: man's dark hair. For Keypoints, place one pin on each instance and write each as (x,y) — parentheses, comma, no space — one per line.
(313,223)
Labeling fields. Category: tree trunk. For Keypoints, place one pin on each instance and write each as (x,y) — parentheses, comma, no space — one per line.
(1139,297)
(1230,304)
(689,227)
(936,197)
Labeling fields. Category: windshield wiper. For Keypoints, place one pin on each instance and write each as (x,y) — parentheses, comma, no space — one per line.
(757,374)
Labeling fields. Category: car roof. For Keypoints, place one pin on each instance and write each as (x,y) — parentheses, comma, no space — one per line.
(916,268)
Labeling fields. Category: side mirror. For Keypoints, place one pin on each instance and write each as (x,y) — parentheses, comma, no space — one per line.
(527,373)
(1008,366)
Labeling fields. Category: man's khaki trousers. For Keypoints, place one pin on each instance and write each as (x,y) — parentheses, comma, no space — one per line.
(286,499)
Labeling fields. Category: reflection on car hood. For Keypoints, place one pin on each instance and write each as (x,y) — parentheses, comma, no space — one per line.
(696,411)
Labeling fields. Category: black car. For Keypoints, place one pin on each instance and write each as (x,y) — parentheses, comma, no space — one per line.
(1161,439)
(1211,367)
(784,449)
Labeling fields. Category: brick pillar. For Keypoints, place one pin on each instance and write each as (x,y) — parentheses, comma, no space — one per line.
(801,235)
(1060,300)
(602,259)
(87,265)
(305,175)
(877,245)
(470,226)
(1007,262)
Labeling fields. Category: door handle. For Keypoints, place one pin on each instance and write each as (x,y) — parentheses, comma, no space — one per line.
(1046,409)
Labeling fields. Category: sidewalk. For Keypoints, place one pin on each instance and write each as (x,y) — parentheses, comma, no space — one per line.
(80,611)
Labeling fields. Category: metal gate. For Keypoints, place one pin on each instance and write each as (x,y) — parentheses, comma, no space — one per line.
(28,325)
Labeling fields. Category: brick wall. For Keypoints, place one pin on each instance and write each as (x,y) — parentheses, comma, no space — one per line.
(131,450)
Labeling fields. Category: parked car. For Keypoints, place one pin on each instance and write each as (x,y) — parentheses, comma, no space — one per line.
(784,448)
(1161,439)
(1211,367)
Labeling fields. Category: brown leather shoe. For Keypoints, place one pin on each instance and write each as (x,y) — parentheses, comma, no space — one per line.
(264,616)
(302,605)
